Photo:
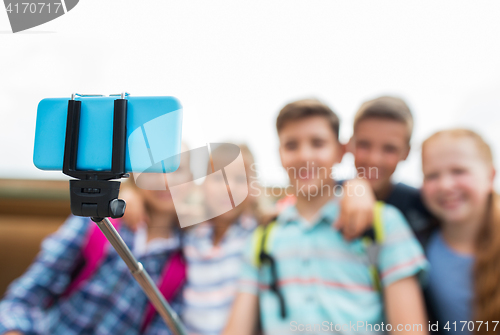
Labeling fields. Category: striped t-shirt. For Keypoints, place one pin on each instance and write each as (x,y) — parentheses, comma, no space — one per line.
(325,280)
(213,273)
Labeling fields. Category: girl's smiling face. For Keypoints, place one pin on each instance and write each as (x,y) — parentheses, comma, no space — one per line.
(457,179)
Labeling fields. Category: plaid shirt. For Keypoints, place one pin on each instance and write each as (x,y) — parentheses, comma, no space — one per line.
(110,302)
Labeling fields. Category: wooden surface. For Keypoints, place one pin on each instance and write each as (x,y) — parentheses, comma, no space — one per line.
(29,211)
(20,239)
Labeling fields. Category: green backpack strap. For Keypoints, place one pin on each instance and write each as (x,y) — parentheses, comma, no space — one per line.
(373,240)
(260,242)
(261,247)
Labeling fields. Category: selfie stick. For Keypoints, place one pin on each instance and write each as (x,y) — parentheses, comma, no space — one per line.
(94,195)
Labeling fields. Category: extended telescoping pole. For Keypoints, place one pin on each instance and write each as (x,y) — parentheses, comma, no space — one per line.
(142,277)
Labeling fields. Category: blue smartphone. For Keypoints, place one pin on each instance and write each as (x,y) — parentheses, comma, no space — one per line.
(154,130)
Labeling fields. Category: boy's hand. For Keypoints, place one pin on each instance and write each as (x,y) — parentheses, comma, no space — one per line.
(135,213)
(356,209)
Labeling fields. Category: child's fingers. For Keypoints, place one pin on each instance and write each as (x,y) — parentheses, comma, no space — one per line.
(344,216)
(361,225)
(365,221)
(346,223)
(339,224)
(360,222)
(351,229)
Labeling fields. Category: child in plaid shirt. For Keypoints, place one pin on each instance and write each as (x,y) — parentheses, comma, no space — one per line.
(109,301)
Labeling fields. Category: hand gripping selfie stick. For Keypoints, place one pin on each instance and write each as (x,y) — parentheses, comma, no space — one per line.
(94,195)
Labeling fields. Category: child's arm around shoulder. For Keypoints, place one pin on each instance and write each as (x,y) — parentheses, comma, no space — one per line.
(402,263)
(356,208)
(46,278)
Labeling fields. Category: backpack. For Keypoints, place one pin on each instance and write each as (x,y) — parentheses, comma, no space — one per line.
(372,239)
(94,252)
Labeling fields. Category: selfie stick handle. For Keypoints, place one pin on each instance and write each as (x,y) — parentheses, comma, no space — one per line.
(142,277)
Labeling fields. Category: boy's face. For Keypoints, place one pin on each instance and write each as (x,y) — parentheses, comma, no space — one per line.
(378,145)
(308,149)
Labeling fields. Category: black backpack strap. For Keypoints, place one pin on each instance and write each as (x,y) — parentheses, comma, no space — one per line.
(264,256)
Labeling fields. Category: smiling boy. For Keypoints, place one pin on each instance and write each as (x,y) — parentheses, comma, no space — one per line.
(312,275)
(381,140)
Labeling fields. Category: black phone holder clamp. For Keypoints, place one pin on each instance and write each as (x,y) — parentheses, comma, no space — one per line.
(92,193)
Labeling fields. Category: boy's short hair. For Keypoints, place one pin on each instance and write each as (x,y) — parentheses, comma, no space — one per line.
(386,107)
(305,108)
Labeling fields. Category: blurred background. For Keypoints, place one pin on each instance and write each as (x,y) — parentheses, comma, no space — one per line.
(233,65)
